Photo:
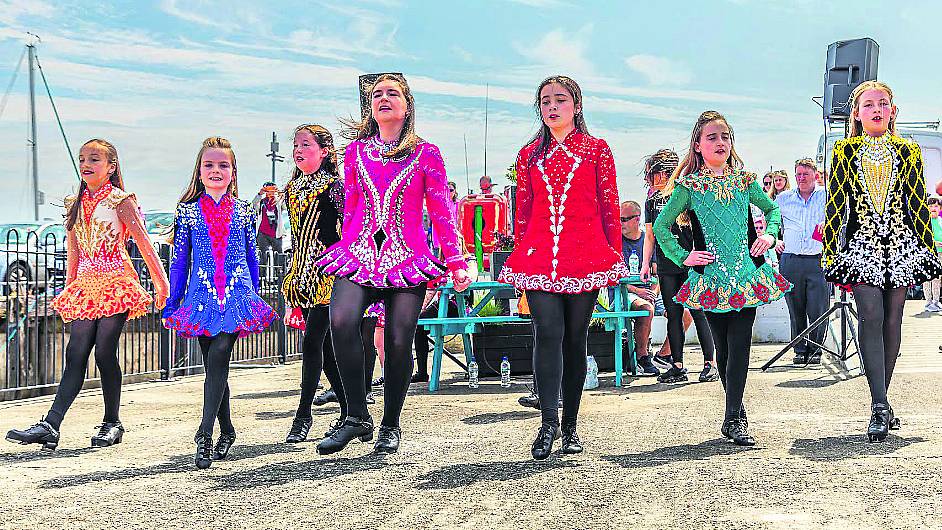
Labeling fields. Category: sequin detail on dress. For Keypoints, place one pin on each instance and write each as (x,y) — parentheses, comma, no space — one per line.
(204,299)
(719,207)
(567,228)
(383,243)
(315,206)
(106,283)
(877,229)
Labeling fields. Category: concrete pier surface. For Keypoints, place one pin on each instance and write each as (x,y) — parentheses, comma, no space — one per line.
(654,457)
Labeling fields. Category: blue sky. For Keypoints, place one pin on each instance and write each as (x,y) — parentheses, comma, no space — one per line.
(156,78)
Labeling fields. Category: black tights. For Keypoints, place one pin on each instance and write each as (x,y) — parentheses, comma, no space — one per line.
(317,354)
(880,321)
(103,335)
(347,304)
(560,332)
(368,334)
(217,351)
(732,334)
(670,285)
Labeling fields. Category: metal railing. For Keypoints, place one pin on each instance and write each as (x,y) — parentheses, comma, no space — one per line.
(35,337)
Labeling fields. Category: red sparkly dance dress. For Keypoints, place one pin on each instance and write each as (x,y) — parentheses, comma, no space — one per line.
(567,228)
(101,281)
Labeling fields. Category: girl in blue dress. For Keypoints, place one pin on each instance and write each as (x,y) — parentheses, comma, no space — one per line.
(214,283)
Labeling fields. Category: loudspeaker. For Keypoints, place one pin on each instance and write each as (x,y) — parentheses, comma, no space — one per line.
(850,62)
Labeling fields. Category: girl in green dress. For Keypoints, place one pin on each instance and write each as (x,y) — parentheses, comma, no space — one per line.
(729,277)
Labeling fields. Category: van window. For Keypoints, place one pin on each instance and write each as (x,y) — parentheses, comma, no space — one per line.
(932,167)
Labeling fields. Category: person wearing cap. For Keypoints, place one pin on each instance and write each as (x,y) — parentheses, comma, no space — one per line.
(268,208)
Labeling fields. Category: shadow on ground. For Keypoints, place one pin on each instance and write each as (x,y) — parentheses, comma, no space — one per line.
(497,417)
(284,473)
(39,454)
(176,464)
(269,395)
(325,410)
(677,453)
(461,475)
(848,446)
(808,383)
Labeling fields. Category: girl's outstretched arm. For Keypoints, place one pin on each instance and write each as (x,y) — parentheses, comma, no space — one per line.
(129,214)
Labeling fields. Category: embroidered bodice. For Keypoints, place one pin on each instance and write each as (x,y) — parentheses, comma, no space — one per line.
(567,232)
(315,208)
(383,242)
(214,254)
(877,228)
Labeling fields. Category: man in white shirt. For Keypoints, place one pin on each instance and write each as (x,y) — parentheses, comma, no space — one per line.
(802,212)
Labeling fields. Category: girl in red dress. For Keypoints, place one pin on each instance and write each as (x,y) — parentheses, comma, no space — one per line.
(566,235)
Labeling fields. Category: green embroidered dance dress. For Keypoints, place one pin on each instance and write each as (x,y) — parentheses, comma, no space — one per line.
(722,224)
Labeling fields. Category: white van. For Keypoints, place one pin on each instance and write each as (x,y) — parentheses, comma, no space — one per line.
(926,135)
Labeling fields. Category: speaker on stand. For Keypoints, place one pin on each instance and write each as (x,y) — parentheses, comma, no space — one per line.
(849,63)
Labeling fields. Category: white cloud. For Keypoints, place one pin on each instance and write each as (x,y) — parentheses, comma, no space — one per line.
(12,10)
(659,71)
(172,8)
(562,51)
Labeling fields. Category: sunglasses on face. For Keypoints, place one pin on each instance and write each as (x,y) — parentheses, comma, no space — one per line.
(630,217)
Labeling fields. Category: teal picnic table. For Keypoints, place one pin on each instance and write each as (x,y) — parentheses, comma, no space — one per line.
(617,318)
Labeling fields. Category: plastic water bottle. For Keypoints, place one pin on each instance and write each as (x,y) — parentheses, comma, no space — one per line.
(592,374)
(634,264)
(473,374)
(505,372)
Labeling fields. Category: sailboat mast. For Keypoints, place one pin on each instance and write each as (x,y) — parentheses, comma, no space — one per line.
(31,48)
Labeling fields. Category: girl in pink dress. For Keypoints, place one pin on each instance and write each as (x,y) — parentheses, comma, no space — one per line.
(389,173)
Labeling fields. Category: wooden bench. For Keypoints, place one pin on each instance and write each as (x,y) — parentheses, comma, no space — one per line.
(616,319)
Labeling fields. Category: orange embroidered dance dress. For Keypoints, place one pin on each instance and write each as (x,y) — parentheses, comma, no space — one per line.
(101,280)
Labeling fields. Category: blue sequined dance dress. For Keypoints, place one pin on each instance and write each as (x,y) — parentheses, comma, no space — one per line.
(214,272)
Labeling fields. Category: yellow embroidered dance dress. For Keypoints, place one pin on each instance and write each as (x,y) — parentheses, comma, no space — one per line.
(315,206)
(101,280)
(876,229)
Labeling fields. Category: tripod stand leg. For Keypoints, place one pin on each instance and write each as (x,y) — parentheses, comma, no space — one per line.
(801,336)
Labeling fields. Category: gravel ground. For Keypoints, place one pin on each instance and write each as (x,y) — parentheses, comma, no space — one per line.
(654,458)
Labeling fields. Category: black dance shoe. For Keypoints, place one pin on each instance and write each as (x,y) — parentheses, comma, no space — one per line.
(39,433)
(737,430)
(351,428)
(109,433)
(299,429)
(543,444)
(420,378)
(879,422)
(325,397)
(379,381)
(204,449)
(333,427)
(571,442)
(223,444)
(387,440)
(894,423)
(532,401)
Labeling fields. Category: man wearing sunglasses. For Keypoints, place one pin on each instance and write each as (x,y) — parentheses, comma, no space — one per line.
(641,298)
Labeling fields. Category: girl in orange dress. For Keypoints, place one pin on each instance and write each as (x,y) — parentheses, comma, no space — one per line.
(102,291)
